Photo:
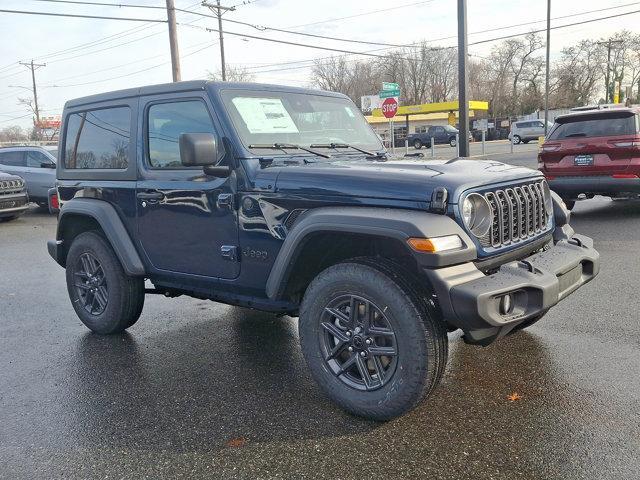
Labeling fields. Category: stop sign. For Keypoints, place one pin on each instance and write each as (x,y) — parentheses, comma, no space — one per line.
(390,107)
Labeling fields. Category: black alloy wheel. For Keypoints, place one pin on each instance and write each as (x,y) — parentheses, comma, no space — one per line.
(91,284)
(358,342)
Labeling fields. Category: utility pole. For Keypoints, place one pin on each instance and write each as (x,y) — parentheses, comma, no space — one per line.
(33,67)
(608,44)
(173,41)
(219,10)
(546,80)
(463,102)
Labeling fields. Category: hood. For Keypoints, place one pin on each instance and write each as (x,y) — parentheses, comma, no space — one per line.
(8,176)
(395,179)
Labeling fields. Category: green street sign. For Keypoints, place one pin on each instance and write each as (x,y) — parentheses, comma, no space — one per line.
(390,86)
(389,93)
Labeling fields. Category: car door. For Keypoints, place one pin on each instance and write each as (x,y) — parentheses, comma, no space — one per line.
(186,220)
(42,174)
(538,129)
(14,162)
(440,135)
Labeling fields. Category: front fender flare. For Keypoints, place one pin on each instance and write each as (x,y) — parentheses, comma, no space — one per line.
(109,220)
(377,222)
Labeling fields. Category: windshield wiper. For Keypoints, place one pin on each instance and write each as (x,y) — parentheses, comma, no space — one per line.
(336,146)
(288,146)
(578,134)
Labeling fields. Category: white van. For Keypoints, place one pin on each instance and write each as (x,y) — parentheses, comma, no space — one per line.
(527,130)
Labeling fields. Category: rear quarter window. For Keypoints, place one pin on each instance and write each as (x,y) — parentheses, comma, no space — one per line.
(594,126)
(98,139)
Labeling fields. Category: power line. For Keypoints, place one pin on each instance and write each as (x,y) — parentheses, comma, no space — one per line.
(75,15)
(368,52)
(261,28)
(361,14)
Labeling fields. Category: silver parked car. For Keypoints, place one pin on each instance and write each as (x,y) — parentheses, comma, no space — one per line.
(527,130)
(35,165)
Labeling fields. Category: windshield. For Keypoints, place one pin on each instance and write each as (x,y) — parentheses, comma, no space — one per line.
(594,126)
(267,118)
(449,128)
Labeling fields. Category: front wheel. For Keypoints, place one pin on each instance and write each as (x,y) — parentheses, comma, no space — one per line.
(417,144)
(516,139)
(373,344)
(104,297)
(452,142)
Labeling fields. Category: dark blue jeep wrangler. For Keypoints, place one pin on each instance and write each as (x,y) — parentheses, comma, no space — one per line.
(284,200)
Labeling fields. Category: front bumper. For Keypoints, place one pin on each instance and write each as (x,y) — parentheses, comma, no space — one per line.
(471,300)
(571,187)
(14,204)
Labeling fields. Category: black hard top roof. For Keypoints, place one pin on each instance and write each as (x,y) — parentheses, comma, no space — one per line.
(190,86)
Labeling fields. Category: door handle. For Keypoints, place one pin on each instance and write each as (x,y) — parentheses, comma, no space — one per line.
(150,196)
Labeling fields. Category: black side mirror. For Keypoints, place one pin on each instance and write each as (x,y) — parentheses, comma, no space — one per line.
(47,165)
(198,149)
(202,150)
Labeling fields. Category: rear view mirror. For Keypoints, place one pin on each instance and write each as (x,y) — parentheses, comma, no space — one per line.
(199,149)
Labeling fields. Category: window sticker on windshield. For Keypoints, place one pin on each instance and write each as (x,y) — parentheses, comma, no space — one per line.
(264,115)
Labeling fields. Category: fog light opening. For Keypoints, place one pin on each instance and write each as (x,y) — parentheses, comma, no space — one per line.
(506,304)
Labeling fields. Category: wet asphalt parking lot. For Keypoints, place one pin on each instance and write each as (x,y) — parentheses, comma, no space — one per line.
(197,389)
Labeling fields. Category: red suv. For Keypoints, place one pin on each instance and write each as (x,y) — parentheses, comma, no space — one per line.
(593,152)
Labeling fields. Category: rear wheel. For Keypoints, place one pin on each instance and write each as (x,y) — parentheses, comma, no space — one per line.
(372,343)
(104,297)
(417,144)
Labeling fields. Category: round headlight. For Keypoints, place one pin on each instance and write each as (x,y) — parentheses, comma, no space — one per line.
(548,200)
(476,214)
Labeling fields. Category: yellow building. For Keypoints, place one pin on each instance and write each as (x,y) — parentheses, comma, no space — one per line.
(417,118)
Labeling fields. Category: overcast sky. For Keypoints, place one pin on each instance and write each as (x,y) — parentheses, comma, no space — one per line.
(118,62)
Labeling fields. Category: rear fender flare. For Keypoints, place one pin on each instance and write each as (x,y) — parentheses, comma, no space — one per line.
(106,216)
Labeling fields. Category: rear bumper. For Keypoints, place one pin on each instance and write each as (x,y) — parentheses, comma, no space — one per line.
(571,187)
(471,300)
(12,205)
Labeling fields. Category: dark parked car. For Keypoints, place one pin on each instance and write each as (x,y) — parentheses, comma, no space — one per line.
(13,197)
(440,135)
(35,165)
(593,152)
(281,199)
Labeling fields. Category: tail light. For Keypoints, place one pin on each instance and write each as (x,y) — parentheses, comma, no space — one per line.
(550,148)
(54,202)
(626,143)
(624,176)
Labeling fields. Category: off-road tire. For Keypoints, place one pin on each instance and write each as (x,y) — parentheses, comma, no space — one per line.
(420,336)
(417,144)
(125,294)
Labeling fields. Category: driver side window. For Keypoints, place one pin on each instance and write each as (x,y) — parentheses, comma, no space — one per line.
(166,122)
(36,159)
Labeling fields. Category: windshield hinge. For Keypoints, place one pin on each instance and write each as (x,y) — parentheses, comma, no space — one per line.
(439,200)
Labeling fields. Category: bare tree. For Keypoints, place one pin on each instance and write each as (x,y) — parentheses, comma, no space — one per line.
(13,133)
(233,74)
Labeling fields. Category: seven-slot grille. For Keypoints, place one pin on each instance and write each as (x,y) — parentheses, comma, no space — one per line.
(10,186)
(518,214)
